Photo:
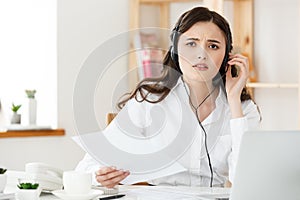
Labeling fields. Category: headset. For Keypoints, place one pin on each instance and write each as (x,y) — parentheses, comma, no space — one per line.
(174,55)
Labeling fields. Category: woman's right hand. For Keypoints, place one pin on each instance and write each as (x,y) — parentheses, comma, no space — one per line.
(110,176)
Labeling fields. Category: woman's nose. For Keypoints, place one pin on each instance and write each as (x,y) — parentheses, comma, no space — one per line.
(202,55)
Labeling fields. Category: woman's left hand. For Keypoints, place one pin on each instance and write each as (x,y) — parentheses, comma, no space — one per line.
(235,85)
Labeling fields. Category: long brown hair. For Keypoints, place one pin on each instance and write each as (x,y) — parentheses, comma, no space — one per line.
(162,85)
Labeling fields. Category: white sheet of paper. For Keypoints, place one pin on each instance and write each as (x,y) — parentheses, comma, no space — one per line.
(146,139)
(133,178)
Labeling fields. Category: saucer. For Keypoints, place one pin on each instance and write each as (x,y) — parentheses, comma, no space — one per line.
(63,195)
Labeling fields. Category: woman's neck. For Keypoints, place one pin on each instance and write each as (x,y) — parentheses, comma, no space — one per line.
(199,90)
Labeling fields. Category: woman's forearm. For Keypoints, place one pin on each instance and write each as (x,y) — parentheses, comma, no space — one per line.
(235,105)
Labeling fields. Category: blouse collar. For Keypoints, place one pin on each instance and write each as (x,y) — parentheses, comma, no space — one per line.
(221,100)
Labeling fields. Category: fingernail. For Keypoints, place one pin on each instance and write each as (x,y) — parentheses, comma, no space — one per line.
(113,167)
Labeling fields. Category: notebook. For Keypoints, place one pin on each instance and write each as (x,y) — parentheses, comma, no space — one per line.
(268,166)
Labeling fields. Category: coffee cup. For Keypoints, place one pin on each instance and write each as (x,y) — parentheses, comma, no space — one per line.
(76,182)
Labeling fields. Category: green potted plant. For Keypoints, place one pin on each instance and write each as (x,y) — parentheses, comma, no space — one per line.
(28,191)
(16,118)
(30,93)
(3,179)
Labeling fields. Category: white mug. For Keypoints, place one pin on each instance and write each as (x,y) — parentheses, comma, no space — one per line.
(77,182)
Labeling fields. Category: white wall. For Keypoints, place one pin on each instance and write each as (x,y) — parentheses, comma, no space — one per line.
(82,27)
(28,58)
(276,52)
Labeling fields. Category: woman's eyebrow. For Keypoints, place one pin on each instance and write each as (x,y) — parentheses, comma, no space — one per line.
(214,41)
(193,39)
(209,40)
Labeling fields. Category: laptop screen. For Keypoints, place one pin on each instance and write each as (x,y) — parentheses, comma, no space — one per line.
(268,166)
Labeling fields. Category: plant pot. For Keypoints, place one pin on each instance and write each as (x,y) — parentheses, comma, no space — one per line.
(15,119)
(32,105)
(28,194)
(3,179)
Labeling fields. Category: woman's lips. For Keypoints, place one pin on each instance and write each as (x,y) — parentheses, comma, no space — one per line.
(201,67)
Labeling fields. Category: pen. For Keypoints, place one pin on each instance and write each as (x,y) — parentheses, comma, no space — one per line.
(112,197)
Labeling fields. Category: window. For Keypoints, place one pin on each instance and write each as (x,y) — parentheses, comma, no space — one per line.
(28,58)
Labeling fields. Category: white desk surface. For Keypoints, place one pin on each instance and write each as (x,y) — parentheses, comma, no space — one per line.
(163,192)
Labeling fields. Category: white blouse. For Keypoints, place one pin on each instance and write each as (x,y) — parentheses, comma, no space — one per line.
(223,137)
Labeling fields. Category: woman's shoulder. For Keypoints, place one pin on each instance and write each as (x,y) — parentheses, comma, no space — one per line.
(245,103)
(147,98)
(250,108)
(248,104)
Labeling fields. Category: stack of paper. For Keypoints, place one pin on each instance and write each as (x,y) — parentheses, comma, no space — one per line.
(4,196)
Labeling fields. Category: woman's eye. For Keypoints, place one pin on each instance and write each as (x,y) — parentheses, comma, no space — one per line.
(213,46)
(191,44)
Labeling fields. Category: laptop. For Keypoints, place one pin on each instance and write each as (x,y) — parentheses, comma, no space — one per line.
(268,166)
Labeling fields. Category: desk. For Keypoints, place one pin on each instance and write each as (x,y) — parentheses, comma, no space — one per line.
(164,193)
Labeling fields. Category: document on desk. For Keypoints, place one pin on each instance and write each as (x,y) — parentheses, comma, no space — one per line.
(179,193)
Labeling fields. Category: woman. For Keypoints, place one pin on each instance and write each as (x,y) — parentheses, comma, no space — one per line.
(198,67)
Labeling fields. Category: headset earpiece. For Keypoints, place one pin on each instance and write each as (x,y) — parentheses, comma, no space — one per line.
(174,39)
